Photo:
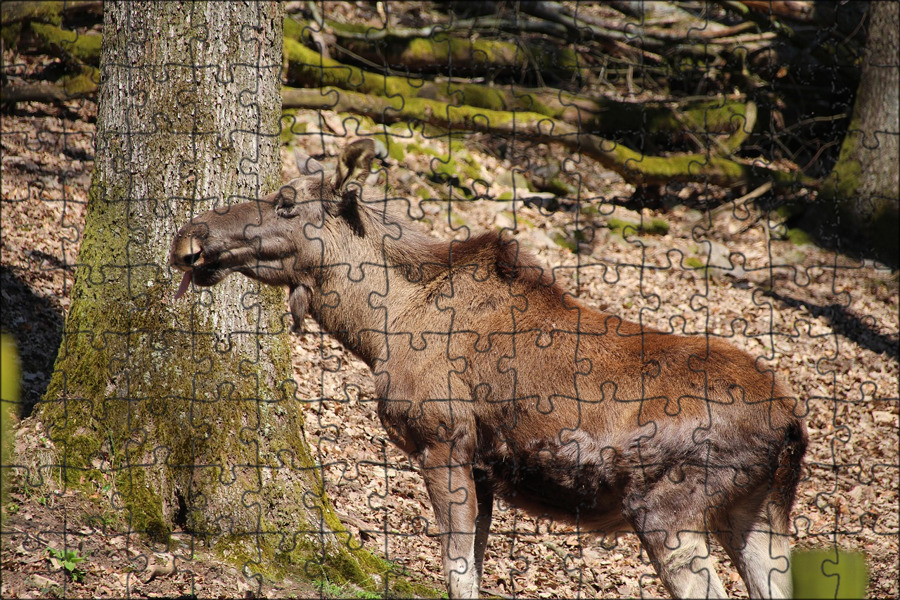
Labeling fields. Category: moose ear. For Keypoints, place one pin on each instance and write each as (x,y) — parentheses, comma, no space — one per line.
(354,164)
(286,205)
(307,165)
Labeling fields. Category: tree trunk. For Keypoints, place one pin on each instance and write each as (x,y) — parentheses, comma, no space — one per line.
(186,410)
(865,182)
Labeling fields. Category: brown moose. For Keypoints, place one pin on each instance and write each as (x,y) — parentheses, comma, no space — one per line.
(497,382)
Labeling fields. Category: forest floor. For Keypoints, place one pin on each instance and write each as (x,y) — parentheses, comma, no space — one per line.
(828,323)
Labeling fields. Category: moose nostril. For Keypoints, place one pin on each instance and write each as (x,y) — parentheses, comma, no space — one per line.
(189,252)
(191,259)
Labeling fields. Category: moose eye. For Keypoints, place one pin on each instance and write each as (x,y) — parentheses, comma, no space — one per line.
(286,204)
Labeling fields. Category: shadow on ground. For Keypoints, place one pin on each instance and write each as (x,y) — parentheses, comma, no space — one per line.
(843,322)
(37,326)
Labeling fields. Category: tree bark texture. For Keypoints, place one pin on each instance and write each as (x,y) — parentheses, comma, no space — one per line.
(187,410)
(865,182)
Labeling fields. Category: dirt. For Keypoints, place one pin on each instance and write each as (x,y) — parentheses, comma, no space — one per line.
(116,563)
(827,322)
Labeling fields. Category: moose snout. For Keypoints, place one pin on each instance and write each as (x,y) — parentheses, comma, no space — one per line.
(187,252)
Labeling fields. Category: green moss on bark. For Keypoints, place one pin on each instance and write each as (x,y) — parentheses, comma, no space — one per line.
(216,423)
(873,219)
(83,83)
(844,179)
(10,34)
(186,409)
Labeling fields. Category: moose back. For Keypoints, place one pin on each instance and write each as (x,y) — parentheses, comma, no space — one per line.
(497,382)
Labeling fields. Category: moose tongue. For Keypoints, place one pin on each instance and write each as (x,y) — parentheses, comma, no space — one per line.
(185,282)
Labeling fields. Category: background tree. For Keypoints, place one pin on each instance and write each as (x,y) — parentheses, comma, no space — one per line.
(186,410)
(865,181)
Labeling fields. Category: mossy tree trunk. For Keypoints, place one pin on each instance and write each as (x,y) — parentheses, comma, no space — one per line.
(185,411)
(865,182)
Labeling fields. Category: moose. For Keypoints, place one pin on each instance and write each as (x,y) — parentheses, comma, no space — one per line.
(497,382)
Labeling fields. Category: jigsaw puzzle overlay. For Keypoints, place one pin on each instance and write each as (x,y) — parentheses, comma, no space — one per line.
(536,299)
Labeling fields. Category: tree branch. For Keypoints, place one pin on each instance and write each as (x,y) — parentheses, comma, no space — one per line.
(632,166)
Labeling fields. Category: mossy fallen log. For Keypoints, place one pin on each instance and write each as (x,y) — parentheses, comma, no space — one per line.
(17,18)
(633,166)
(728,121)
(720,124)
(47,12)
(79,85)
(441,52)
(437,49)
(79,52)
(308,68)
(69,45)
(724,120)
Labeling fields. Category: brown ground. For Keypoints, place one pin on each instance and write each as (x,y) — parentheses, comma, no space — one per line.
(829,325)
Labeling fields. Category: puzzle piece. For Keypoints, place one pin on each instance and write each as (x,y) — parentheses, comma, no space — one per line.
(558,128)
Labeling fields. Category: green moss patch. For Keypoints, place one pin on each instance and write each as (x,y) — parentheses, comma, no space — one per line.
(799,237)
(654,226)
(694,263)
(564,241)
(83,47)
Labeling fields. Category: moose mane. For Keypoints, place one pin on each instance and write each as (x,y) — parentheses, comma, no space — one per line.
(490,254)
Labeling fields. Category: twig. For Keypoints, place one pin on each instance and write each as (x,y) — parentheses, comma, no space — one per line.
(494,594)
(764,188)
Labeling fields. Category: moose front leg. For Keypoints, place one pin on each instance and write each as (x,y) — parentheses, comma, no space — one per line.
(451,488)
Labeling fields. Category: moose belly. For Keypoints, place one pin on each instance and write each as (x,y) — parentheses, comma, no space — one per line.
(575,481)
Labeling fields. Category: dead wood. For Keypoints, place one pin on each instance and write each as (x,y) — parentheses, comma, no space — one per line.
(44,91)
(80,85)
(74,48)
(633,166)
(48,12)
(729,120)
(437,48)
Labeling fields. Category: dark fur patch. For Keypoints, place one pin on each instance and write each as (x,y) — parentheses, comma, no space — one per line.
(349,211)
(495,254)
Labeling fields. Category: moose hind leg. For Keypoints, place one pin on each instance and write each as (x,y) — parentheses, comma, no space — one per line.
(760,552)
(683,562)
(670,520)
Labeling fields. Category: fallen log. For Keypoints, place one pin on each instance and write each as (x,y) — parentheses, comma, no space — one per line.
(633,166)
(74,48)
(48,12)
(438,49)
(70,87)
(724,119)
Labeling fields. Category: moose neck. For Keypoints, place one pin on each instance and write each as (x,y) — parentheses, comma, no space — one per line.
(362,291)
